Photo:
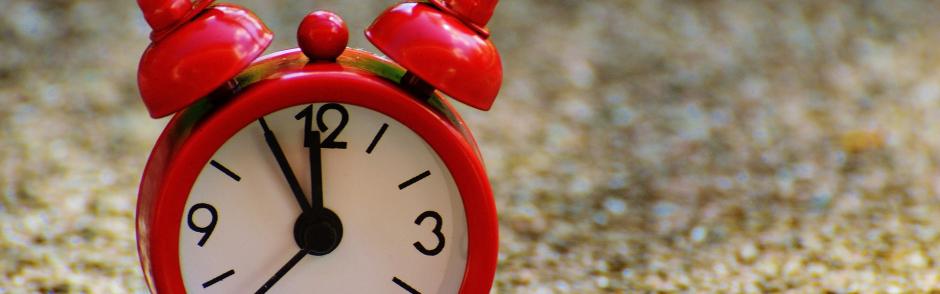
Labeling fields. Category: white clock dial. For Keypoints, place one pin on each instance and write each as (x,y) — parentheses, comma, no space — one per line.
(401,214)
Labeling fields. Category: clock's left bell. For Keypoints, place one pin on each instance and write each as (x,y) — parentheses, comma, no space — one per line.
(195,50)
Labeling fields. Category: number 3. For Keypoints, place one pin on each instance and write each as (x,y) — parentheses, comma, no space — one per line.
(437,232)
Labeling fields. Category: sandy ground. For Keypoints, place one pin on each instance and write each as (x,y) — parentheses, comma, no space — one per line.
(707,146)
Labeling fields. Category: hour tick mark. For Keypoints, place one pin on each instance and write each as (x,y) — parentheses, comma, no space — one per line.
(225,170)
(218,279)
(411,181)
(405,286)
(376,139)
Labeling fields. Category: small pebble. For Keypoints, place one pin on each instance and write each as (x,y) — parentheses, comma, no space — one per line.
(747,252)
(698,234)
(615,206)
(602,282)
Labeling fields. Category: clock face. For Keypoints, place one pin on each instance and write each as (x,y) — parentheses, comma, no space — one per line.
(324,198)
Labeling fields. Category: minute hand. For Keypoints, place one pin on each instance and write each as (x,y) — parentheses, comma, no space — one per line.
(285,166)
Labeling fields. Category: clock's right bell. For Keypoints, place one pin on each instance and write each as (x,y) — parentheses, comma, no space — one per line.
(445,43)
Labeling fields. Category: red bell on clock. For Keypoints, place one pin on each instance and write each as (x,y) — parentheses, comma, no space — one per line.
(434,44)
(318,169)
(193,54)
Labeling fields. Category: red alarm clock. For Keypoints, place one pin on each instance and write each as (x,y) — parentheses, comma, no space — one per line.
(322,169)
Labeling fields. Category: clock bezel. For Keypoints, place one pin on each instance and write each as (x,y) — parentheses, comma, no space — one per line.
(186,146)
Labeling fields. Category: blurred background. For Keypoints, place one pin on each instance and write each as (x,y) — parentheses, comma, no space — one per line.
(713,146)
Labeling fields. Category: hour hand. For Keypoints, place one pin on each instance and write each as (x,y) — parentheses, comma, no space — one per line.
(284,165)
(316,170)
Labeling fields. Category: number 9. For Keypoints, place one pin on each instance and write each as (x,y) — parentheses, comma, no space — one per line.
(207,230)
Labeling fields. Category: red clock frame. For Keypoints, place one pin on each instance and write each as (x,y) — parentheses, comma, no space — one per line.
(193,136)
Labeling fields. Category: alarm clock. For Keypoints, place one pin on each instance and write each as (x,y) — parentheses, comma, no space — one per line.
(319,169)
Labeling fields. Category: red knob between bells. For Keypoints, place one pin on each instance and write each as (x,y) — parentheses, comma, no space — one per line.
(322,36)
